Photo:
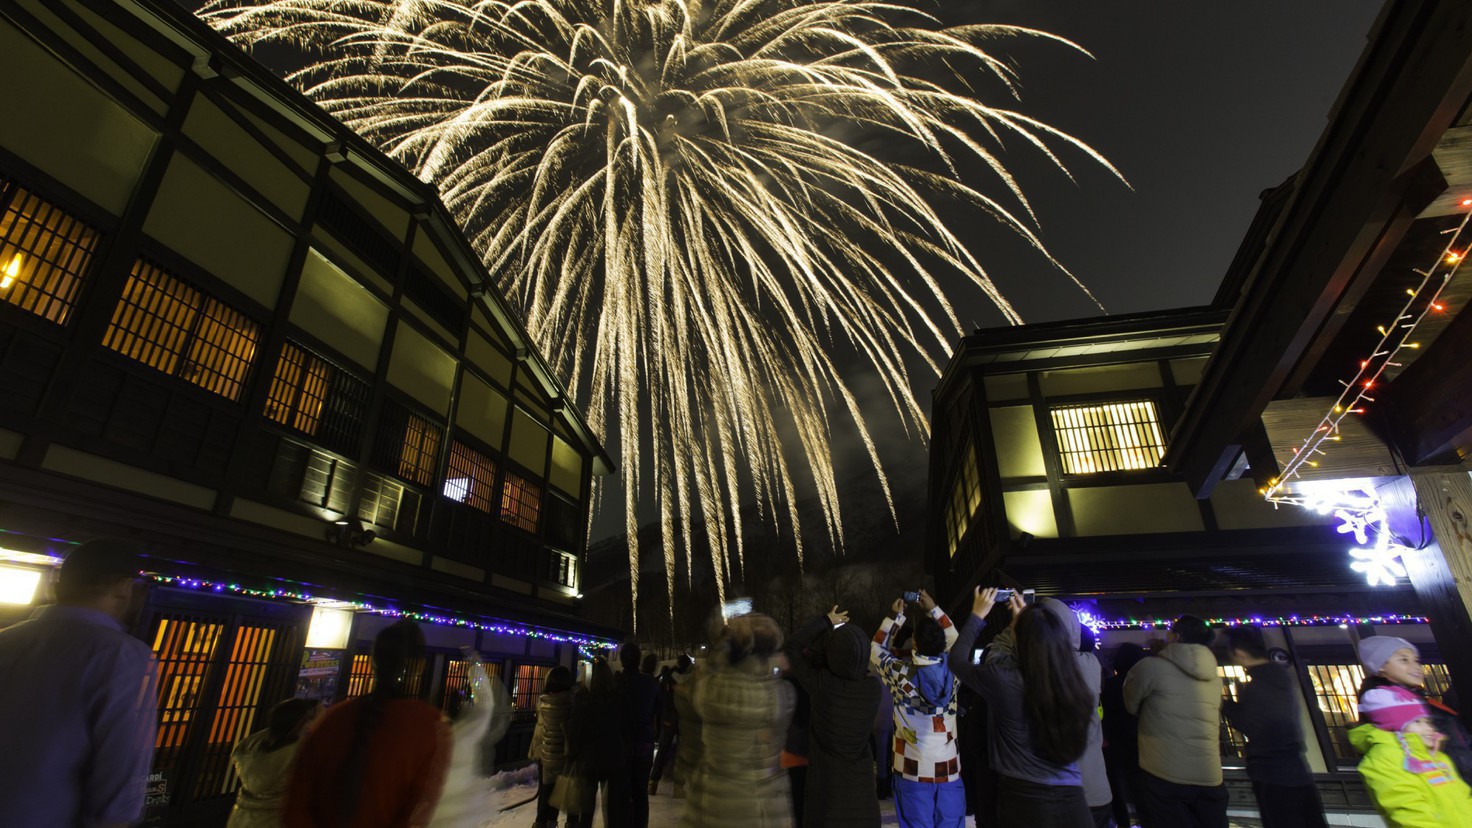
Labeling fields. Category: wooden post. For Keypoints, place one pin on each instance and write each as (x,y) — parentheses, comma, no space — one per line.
(1441,571)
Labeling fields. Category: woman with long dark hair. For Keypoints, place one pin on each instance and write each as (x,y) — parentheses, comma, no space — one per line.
(263,761)
(595,745)
(1039,711)
(377,761)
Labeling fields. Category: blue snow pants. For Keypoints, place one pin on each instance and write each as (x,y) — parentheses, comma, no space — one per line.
(930,804)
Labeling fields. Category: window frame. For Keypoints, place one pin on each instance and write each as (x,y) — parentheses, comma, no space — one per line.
(508,469)
(206,291)
(1053,446)
(76,209)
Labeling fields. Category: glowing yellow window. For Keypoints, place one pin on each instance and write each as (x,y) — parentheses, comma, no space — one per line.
(168,325)
(44,253)
(1117,436)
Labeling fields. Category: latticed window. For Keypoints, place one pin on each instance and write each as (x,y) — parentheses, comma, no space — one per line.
(421,446)
(526,688)
(1233,743)
(175,328)
(44,253)
(471,477)
(1116,436)
(1336,690)
(314,396)
(521,502)
(964,501)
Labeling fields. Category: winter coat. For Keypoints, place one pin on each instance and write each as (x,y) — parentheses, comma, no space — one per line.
(687,753)
(263,779)
(1091,764)
(843,701)
(595,740)
(1266,712)
(1178,697)
(638,698)
(1435,798)
(924,693)
(737,783)
(1010,739)
(549,738)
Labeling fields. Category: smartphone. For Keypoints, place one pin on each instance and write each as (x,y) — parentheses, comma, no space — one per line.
(1004,594)
(911,596)
(739,606)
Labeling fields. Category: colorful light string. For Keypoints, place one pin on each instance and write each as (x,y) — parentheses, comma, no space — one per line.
(500,628)
(1356,391)
(1260,621)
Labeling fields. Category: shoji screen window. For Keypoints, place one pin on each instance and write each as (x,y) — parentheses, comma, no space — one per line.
(1107,437)
(521,502)
(317,398)
(471,477)
(175,328)
(44,252)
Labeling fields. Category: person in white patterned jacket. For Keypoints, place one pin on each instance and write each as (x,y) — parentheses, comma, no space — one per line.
(927,771)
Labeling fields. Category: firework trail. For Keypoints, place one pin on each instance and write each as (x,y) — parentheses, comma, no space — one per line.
(664,190)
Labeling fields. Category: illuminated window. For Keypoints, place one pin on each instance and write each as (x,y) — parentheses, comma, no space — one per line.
(169,325)
(521,502)
(470,478)
(457,680)
(964,501)
(360,675)
(1233,743)
(1336,690)
(317,398)
(1438,680)
(421,446)
(44,253)
(1109,437)
(526,688)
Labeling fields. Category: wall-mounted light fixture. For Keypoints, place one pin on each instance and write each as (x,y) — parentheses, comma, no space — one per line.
(329,629)
(349,532)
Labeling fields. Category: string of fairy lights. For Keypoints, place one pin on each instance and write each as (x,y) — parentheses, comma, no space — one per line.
(584,643)
(1357,390)
(1099,624)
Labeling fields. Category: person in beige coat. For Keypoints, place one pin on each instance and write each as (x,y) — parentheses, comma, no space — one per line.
(744,708)
(1178,697)
(263,761)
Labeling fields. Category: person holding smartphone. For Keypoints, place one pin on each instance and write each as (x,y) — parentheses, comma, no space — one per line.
(927,772)
(1040,713)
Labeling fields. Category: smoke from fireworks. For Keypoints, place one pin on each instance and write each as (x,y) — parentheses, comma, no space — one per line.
(665,190)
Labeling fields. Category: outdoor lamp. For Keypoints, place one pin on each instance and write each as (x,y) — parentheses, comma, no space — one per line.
(329,628)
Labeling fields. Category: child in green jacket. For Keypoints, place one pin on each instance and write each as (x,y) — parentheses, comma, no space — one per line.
(1413,783)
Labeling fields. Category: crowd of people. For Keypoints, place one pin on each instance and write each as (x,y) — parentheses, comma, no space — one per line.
(833,717)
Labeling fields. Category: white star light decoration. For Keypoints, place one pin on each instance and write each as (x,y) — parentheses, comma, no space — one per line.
(1378,556)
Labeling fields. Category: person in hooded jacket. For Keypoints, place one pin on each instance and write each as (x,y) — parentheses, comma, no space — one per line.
(927,770)
(263,760)
(1040,713)
(1178,697)
(549,739)
(1091,764)
(1398,662)
(743,708)
(842,703)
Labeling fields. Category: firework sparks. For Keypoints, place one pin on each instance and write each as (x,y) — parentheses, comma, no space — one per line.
(665,190)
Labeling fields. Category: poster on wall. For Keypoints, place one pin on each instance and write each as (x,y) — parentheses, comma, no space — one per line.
(318,676)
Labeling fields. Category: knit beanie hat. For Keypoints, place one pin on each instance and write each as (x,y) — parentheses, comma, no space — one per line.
(847,652)
(1377,649)
(1392,707)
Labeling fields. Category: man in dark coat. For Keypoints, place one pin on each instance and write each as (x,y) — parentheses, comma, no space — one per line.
(638,695)
(844,699)
(1266,712)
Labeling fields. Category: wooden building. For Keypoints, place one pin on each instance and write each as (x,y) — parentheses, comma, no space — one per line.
(238,334)
(1123,463)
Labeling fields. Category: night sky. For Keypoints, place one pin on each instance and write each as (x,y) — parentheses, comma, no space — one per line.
(1201,107)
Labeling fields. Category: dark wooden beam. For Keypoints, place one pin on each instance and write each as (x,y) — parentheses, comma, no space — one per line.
(1356,197)
(1430,403)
